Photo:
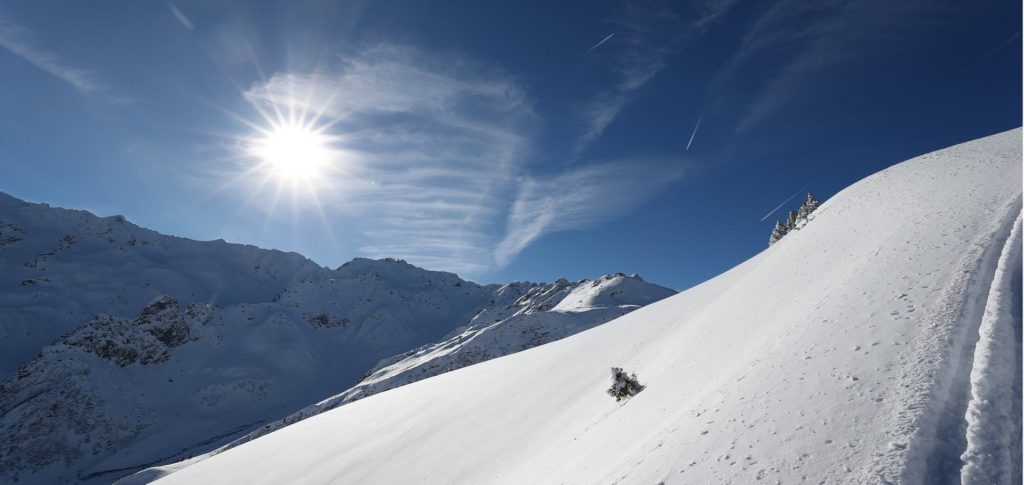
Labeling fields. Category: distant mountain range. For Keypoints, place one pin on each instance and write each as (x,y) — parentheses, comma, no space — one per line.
(125,348)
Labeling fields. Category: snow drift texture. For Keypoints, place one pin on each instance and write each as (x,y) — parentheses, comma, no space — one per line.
(170,348)
(864,348)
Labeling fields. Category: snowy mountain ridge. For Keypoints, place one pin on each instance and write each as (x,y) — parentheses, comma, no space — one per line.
(234,337)
(59,267)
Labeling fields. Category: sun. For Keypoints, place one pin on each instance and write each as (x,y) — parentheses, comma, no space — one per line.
(293,152)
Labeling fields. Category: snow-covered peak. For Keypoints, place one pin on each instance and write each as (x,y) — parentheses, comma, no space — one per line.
(610,291)
(391,266)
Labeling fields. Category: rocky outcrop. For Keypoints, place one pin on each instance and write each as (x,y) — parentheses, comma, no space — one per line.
(146,340)
(53,412)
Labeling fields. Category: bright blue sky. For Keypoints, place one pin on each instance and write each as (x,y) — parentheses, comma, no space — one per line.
(492,139)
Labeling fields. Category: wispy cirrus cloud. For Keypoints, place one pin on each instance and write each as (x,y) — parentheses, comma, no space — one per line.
(581,198)
(797,49)
(644,36)
(432,145)
(710,12)
(180,16)
(648,32)
(436,151)
(20,42)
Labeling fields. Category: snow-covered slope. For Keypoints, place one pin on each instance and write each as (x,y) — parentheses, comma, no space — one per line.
(169,348)
(520,316)
(59,267)
(542,315)
(118,394)
(842,354)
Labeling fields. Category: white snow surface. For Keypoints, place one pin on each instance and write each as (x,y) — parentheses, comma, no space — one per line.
(149,349)
(842,354)
(521,316)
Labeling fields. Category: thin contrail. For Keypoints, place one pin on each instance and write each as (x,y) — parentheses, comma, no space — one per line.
(990,52)
(783,203)
(599,43)
(178,14)
(695,128)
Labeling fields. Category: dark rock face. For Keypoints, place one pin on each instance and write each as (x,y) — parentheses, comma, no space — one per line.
(114,339)
(164,321)
(160,326)
(158,305)
(323,320)
(10,234)
(57,401)
(54,416)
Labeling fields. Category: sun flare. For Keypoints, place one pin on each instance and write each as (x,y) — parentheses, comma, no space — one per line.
(293,152)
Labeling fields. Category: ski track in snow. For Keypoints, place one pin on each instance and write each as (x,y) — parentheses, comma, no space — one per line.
(938,432)
(994,411)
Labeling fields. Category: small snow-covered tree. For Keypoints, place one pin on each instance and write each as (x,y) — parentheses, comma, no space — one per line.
(796,220)
(811,204)
(801,214)
(804,212)
(624,385)
(777,233)
(791,221)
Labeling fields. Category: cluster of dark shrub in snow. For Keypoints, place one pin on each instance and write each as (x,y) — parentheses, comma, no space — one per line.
(624,385)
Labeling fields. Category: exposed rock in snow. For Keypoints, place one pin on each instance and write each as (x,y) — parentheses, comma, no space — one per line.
(56,412)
